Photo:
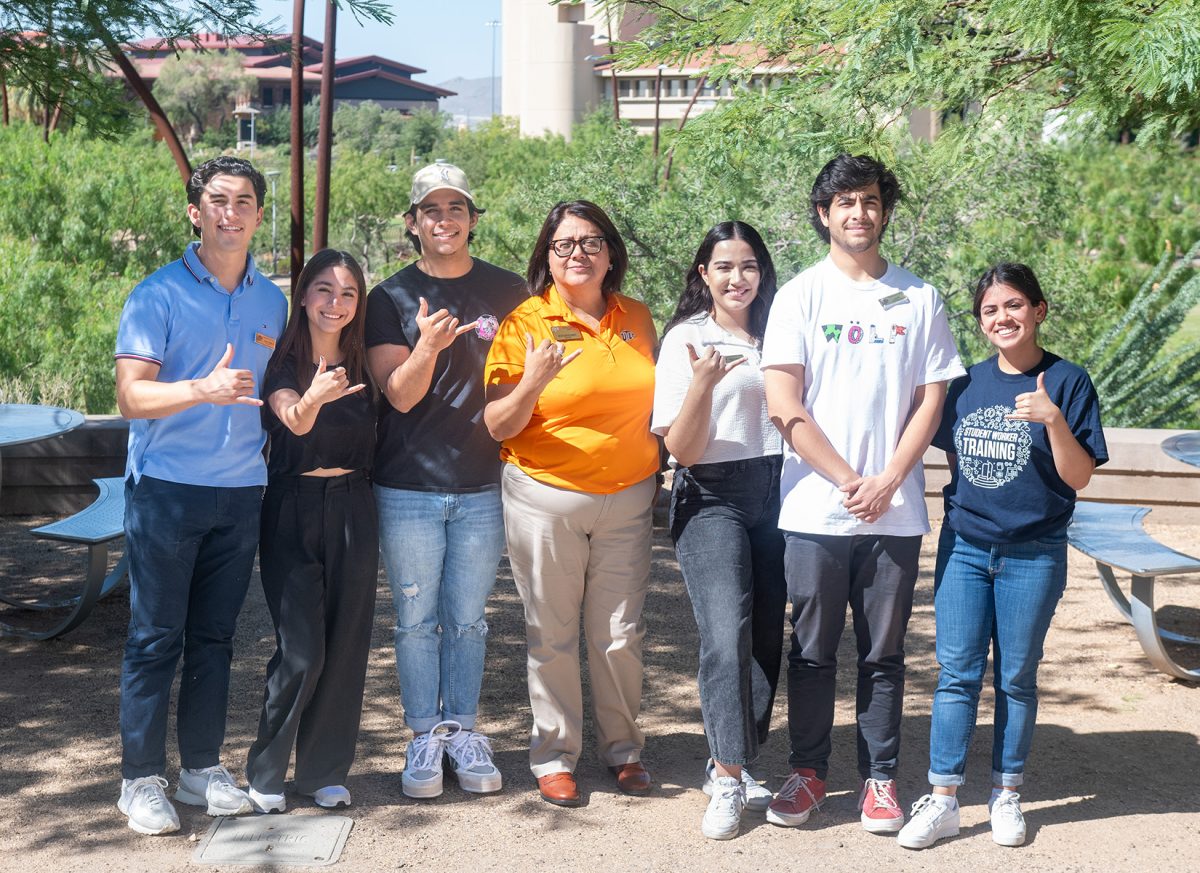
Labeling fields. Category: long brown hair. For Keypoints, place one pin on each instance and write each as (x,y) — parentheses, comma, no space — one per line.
(538,276)
(297,342)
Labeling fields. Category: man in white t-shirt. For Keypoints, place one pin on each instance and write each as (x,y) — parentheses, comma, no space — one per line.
(856,359)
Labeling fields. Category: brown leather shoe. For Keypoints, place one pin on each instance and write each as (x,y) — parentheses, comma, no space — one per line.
(559,789)
(632,778)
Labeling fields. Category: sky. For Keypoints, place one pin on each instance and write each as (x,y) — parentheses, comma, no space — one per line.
(448,38)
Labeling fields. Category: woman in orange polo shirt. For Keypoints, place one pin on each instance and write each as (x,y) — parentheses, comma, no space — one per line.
(570,387)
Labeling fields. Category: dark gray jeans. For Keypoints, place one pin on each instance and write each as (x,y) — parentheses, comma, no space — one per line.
(875,576)
(725,525)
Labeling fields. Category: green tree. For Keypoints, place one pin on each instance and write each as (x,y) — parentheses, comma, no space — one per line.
(200,89)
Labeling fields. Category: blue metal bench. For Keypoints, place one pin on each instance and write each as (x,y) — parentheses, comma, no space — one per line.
(1112,535)
(94,526)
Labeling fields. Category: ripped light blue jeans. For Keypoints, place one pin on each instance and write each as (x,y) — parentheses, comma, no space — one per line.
(441,552)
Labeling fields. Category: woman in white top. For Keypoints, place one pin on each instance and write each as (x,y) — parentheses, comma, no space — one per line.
(710,407)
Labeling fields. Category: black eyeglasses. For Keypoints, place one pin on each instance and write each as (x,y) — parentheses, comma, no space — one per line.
(591,245)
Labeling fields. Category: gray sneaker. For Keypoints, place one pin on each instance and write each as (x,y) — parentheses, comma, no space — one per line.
(213,788)
(423,761)
(723,817)
(758,796)
(470,754)
(145,801)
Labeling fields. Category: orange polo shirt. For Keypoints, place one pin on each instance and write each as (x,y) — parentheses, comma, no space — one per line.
(590,429)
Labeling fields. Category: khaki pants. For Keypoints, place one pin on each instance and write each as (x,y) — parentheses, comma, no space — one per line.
(573,552)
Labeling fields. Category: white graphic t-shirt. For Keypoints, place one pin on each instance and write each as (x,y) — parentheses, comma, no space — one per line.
(866,347)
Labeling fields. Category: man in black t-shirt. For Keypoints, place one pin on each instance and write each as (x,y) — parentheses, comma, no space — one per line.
(437,474)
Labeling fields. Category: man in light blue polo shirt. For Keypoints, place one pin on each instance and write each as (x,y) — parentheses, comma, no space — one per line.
(192,346)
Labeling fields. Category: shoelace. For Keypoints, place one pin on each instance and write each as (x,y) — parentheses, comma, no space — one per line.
(1007,805)
(726,796)
(882,796)
(470,749)
(924,803)
(153,788)
(427,748)
(793,785)
(223,776)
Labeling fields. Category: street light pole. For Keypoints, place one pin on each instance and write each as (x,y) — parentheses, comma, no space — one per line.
(494,25)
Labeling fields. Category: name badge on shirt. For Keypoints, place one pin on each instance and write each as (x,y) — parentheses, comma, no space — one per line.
(263,340)
(893,300)
(565,333)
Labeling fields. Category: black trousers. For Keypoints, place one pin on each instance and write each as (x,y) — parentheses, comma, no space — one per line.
(319,561)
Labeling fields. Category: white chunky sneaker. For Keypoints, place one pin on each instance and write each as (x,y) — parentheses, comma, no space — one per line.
(264,802)
(331,796)
(1008,825)
(470,754)
(214,788)
(932,818)
(145,801)
(758,795)
(723,817)
(423,761)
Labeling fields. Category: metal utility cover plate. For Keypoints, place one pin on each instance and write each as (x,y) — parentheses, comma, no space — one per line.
(278,840)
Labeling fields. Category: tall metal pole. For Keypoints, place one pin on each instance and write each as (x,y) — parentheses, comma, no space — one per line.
(296,258)
(325,131)
(494,25)
(273,175)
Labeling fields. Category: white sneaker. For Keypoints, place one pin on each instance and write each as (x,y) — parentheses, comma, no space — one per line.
(470,754)
(331,796)
(758,796)
(214,788)
(724,814)
(931,819)
(423,761)
(264,802)
(1008,825)
(145,801)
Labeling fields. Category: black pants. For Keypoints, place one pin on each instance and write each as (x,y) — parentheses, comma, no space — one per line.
(319,559)
(875,576)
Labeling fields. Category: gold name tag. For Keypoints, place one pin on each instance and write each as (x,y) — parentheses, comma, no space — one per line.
(263,340)
(565,333)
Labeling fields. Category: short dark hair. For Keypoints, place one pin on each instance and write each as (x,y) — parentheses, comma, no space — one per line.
(697,297)
(412,213)
(1017,276)
(225,165)
(850,173)
(538,275)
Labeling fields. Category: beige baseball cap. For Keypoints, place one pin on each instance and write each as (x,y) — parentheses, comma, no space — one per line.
(440,174)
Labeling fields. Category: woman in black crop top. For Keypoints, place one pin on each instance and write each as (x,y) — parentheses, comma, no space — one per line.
(319,551)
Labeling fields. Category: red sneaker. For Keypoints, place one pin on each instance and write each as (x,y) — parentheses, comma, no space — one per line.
(800,795)
(881,813)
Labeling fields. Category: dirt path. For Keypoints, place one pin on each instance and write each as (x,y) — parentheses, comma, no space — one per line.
(1112,778)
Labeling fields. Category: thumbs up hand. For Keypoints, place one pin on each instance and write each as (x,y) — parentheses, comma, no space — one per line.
(224,386)
(1036,405)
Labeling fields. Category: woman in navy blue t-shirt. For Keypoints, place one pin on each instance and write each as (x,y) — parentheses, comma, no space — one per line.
(1022,434)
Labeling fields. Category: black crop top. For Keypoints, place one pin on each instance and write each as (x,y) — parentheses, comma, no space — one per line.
(343,436)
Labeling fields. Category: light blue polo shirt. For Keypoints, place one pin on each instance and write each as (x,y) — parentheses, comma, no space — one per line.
(181,318)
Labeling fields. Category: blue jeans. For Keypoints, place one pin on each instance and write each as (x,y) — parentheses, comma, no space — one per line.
(441,551)
(725,525)
(1002,597)
(191,552)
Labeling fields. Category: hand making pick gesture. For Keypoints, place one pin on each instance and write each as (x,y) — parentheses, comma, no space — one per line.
(710,368)
(330,385)
(440,329)
(543,362)
(1035,405)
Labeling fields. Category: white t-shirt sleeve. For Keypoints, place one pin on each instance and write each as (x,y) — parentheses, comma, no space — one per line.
(785,341)
(672,376)
(941,362)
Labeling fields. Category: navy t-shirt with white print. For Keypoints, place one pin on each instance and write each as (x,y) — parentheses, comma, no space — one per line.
(1004,487)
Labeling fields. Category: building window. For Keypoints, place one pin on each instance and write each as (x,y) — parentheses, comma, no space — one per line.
(625,87)
(268,96)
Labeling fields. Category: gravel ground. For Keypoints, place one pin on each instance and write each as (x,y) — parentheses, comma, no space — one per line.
(1112,779)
